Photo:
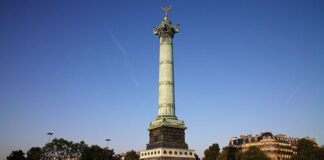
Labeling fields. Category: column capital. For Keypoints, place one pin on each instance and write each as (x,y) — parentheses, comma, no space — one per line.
(166,29)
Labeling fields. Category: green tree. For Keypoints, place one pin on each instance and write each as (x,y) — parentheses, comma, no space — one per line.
(93,153)
(34,153)
(117,157)
(212,152)
(97,153)
(308,150)
(228,153)
(131,155)
(62,149)
(320,153)
(17,155)
(254,153)
(197,157)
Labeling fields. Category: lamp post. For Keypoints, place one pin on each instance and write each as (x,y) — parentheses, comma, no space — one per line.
(49,156)
(49,136)
(107,140)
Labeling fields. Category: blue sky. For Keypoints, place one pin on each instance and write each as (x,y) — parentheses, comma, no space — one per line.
(88,70)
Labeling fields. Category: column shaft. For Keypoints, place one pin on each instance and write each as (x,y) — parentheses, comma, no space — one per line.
(166,79)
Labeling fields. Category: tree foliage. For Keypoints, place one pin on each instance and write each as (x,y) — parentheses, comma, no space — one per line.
(34,153)
(229,153)
(17,155)
(131,155)
(212,152)
(62,149)
(308,150)
(254,153)
(197,157)
(97,153)
(320,153)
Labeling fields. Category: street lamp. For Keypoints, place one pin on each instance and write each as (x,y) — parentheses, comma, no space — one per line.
(107,148)
(49,136)
(107,142)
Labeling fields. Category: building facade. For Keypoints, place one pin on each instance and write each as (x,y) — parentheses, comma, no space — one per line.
(277,147)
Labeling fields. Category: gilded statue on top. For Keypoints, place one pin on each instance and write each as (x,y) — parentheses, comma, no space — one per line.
(166,10)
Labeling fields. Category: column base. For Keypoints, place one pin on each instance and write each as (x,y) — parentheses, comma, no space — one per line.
(167,154)
(167,137)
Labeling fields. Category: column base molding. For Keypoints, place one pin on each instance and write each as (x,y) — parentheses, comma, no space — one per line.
(167,154)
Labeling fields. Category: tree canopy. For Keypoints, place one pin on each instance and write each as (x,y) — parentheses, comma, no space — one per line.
(229,153)
(254,153)
(308,150)
(97,153)
(131,155)
(17,155)
(197,157)
(61,149)
(34,153)
(212,152)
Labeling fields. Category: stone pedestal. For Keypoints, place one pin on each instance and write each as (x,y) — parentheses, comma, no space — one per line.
(167,137)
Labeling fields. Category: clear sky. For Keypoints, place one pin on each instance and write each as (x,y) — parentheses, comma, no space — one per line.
(88,70)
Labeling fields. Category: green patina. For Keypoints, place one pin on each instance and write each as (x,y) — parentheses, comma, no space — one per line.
(166,29)
(167,121)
